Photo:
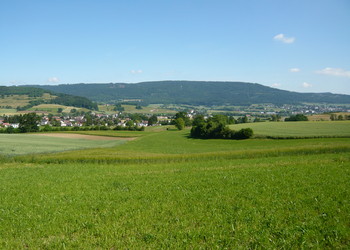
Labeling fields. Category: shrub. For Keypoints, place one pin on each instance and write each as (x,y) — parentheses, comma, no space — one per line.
(298,117)
(211,129)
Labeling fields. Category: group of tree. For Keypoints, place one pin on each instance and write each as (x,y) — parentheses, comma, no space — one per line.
(27,123)
(75,101)
(182,120)
(16,90)
(296,118)
(335,117)
(216,128)
(118,107)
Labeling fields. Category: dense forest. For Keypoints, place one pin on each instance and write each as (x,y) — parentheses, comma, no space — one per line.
(57,98)
(30,91)
(194,93)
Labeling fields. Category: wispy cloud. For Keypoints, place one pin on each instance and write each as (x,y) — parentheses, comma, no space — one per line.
(135,72)
(284,39)
(275,85)
(15,82)
(334,72)
(294,70)
(307,85)
(53,80)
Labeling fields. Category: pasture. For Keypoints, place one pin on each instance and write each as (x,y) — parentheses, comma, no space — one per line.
(165,190)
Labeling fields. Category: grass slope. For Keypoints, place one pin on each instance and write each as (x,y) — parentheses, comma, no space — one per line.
(164,190)
(175,146)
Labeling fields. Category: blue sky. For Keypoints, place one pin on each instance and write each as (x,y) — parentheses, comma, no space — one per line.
(297,45)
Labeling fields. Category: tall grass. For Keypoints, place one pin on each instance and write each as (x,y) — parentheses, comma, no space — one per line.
(165,190)
(283,202)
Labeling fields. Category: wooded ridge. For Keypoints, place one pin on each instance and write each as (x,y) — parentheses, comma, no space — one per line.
(194,93)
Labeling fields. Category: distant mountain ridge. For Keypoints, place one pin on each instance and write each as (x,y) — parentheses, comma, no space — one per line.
(194,93)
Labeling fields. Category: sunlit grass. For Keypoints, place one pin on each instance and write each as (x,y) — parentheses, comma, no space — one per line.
(298,129)
(282,202)
(166,190)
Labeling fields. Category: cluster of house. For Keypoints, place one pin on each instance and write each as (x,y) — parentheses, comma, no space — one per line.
(79,121)
(6,124)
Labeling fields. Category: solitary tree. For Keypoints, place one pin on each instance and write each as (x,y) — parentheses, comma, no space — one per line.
(179,123)
(184,117)
(29,123)
(152,120)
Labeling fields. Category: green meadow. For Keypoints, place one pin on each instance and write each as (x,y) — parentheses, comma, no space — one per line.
(165,190)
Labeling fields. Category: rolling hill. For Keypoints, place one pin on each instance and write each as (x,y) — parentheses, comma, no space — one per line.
(25,97)
(194,93)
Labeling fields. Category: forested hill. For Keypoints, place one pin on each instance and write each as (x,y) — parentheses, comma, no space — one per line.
(57,98)
(194,93)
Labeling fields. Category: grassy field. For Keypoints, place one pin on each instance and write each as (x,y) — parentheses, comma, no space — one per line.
(165,190)
(298,129)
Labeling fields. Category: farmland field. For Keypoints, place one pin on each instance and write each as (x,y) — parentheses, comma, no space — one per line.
(21,144)
(150,109)
(298,129)
(165,190)
(53,108)
(8,111)
(21,100)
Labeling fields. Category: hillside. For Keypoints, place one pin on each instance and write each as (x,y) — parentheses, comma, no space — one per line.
(24,98)
(194,93)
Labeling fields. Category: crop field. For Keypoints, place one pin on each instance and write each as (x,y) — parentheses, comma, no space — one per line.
(8,111)
(21,100)
(298,129)
(165,190)
(22,144)
(53,108)
(150,109)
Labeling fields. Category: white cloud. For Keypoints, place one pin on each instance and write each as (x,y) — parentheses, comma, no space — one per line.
(307,85)
(294,70)
(53,80)
(284,39)
(135,72)
(275,85)
(334,72)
